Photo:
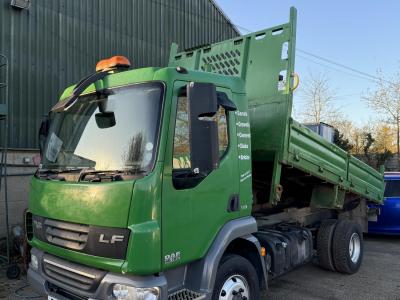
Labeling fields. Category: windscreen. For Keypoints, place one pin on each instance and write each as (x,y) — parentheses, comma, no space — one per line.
(114,129)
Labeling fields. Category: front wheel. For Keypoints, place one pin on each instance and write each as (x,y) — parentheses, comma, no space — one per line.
(236,279)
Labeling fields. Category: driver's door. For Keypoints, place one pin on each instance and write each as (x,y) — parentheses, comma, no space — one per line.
(195,209)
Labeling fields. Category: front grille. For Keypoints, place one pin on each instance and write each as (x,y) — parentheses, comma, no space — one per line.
(71,274)
(110,242)
(68,235)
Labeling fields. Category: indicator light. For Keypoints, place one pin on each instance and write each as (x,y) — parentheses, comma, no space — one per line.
(263,251)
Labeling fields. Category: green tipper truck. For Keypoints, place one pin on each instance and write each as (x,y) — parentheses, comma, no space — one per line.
(191,181)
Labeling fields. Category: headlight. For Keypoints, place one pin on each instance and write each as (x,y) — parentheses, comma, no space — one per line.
(34,262)
(126,292)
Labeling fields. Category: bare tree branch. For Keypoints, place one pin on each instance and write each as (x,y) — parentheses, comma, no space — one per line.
(318,97)
(385,100)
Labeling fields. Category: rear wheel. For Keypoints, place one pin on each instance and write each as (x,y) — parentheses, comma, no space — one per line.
(236,279)
(324,244)
(348,247)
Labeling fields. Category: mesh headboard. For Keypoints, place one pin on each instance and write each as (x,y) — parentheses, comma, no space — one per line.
(265,61)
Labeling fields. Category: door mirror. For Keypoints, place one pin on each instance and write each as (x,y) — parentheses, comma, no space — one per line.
(43,133)
(105,119)
(203,130)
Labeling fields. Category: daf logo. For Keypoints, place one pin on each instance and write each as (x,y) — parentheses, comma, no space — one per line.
(112,240)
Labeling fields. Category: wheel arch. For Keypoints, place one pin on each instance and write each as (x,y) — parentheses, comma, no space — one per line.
(249,247)
(202,273)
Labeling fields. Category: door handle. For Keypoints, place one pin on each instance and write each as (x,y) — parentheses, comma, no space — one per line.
(233,203)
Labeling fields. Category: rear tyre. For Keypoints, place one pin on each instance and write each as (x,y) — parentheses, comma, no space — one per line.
(348,247)
(236,279)
(324,244)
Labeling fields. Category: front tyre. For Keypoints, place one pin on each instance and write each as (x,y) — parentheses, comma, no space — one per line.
(236,279)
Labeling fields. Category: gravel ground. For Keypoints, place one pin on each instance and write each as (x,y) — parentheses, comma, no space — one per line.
(378,278)
(16,289)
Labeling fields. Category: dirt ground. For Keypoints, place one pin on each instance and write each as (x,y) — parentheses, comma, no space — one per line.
(378,278)
(16,289)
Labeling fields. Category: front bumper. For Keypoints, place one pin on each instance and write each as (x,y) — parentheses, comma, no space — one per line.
(60,288)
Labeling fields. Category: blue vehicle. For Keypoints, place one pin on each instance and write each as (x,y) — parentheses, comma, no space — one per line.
(389,218)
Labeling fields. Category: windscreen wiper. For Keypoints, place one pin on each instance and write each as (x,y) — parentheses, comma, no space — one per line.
(53,174)
(100,175)
(108,175)
(58,171)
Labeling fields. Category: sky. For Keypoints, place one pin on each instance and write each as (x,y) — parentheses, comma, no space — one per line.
(364,35)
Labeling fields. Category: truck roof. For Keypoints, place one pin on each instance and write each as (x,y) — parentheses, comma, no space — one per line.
(163,74)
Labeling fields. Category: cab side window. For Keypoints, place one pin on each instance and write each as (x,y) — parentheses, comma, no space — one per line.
(181,156)
(181,153)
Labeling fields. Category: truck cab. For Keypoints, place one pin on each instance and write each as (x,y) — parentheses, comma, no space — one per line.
(117,188)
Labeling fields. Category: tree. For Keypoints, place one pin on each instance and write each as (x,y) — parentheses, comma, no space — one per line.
(341,141)
(344,132)
(384,144)
(318,97)
(385,100)
(384,139)
(358,136)
(367,144)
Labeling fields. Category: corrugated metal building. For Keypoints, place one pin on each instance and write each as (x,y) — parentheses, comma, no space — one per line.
(54,43)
